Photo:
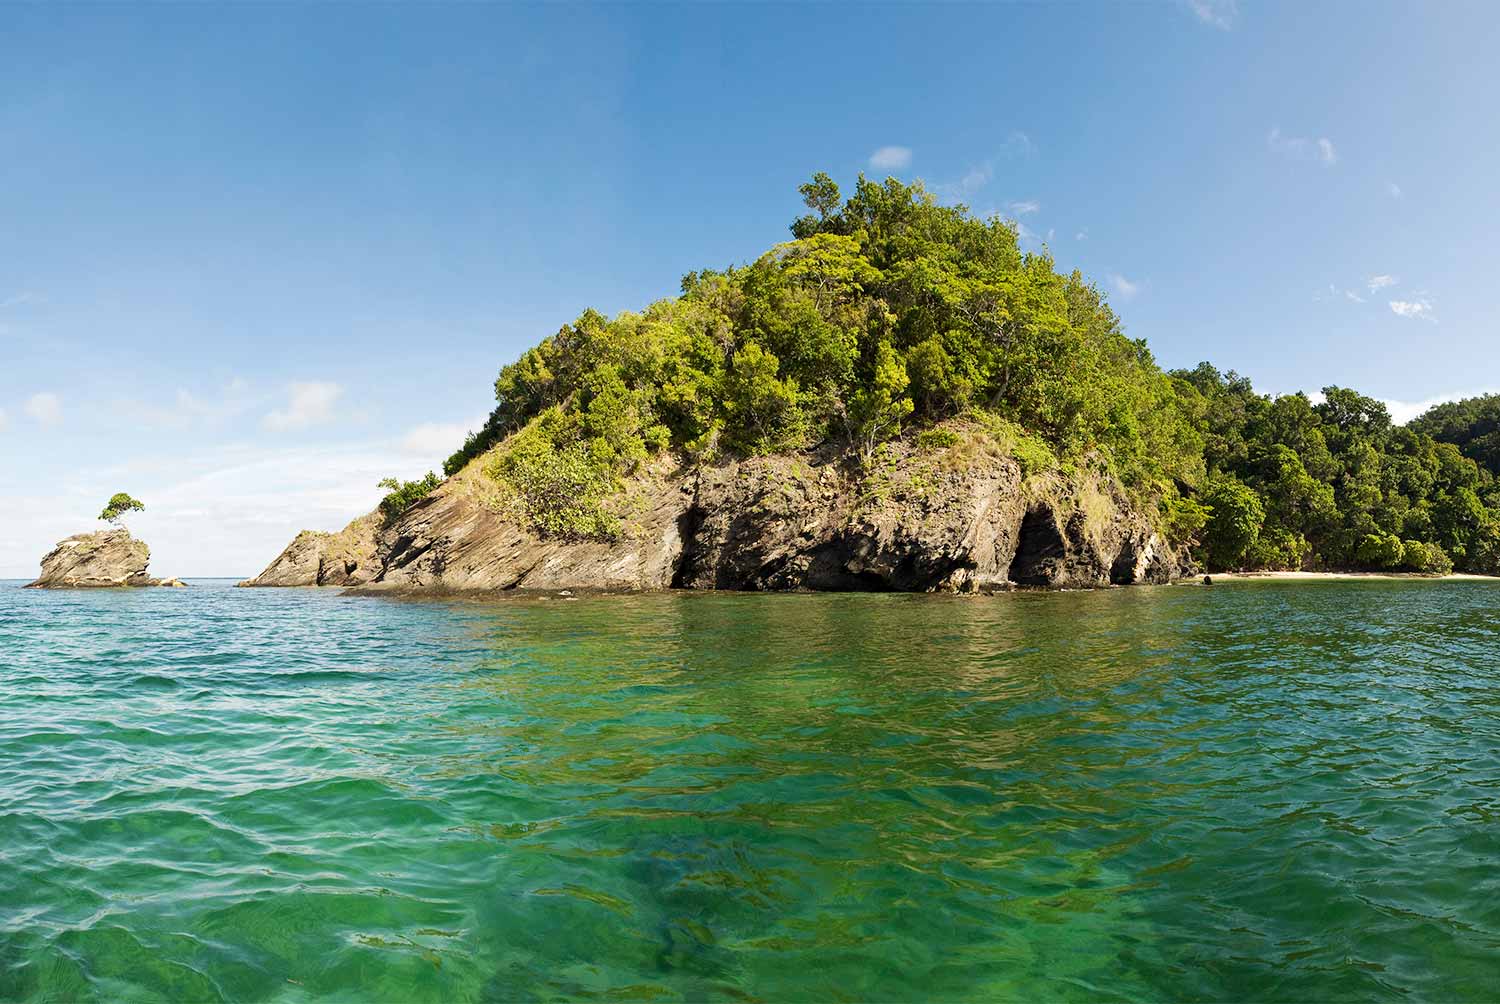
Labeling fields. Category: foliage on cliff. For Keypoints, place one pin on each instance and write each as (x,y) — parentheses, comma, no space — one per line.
(402,495)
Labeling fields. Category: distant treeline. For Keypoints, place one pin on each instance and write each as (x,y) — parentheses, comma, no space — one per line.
(889,314)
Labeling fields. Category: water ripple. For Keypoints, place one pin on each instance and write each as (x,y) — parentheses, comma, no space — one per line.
(1257,791)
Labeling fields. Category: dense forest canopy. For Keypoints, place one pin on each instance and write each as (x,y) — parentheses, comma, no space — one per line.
(889,313)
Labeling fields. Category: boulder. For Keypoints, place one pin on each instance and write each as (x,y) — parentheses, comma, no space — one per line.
(105,559)
(314,558)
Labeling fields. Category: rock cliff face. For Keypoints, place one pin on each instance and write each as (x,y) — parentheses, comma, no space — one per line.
(98,560)
(922,521)
(346,558)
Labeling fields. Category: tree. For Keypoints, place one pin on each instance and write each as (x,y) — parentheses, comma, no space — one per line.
(876,410)
(119,504)
(1233,527)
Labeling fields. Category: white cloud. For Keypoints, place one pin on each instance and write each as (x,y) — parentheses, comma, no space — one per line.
(438,439)
(1125,287)
(1024,207)
(308,404)
(44,408)
(1404,411)
(1379,282)
(891,158)
(1417,309)
(1394,189)
(1352,295)
(1220,14)
(1302,148)
(1082,235)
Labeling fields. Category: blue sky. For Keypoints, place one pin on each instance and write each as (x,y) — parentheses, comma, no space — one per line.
(254,258)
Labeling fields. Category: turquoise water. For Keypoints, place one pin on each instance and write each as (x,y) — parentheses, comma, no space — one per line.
(1253,791)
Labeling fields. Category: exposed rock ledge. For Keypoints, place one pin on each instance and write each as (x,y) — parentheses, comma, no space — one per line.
(928,521)
(104,559)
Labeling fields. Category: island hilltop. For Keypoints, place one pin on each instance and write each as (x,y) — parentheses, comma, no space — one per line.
(103,559)
(903,398)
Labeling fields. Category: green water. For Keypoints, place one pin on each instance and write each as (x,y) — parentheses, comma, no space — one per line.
(1254,791)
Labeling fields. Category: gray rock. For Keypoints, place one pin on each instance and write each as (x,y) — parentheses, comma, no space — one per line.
(313,558)
(108,558)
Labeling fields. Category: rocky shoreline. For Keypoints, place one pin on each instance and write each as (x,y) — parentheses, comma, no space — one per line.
(925,521)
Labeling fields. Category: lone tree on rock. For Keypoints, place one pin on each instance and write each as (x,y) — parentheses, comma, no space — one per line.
(118,506)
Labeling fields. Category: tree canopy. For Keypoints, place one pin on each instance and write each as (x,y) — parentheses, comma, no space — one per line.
(119,504)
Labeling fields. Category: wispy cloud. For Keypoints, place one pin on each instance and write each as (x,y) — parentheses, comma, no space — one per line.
(20,299)
(973,180)
(1379,282)
(1220,14)
(1353,297)
(1027,235)
(1302,147)
(44,408)
(438,439)
(187,409)
(1123,286)
(1393,189)
(1414,309)
(1024,207)
(891,158)
(310,403)
(1082,235)
(1017,145)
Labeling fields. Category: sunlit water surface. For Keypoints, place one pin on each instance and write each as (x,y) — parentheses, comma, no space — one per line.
(1250,791)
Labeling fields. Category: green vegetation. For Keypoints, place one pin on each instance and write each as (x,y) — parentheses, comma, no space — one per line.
(119,504)
(1294,484)
(405,494)
(889,315)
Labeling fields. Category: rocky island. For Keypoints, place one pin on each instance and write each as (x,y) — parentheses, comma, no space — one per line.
(100,560)
(903,397)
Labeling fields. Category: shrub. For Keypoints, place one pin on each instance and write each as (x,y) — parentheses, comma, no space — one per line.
(1429,559)
(405,494)
(561,491)
(937,439)
(1380,550)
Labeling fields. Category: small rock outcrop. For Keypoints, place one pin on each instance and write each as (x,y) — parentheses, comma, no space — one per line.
(313,558)
(106,559)
(923,521)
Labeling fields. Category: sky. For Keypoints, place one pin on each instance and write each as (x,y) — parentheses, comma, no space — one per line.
(256,257)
